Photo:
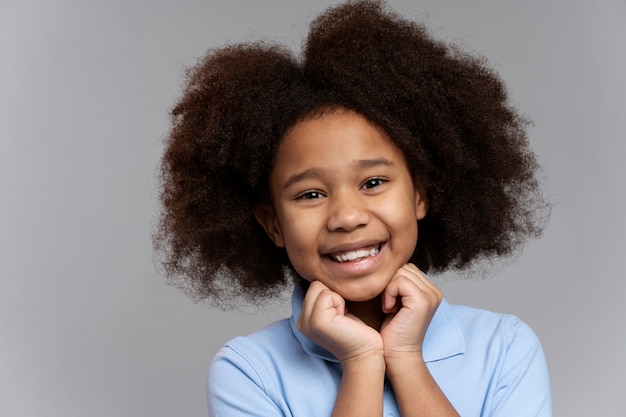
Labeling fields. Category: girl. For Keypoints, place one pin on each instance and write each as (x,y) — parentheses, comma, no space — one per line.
(324,171)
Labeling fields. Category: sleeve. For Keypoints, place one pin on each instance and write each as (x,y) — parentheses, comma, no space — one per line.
(236,388)
(523,386)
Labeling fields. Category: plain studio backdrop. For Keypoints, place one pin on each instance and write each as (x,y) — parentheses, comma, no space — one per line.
(88,326)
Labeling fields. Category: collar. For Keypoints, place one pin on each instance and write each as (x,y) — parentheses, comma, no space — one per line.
(443,338)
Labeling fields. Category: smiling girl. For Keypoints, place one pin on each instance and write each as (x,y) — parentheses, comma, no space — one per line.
(380,155)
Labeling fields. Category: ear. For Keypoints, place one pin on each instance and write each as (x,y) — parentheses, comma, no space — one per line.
(421,203)
(266,216)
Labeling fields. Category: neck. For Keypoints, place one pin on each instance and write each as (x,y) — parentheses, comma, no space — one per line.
(370,312)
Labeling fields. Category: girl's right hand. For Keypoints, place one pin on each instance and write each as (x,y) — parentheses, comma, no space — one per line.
(325,321)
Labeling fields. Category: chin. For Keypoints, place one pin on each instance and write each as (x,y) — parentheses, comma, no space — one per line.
(362,296)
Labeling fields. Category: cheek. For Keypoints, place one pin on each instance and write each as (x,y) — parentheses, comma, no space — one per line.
(401,211)
(300,242)
(403,222)
(301,263)
(410,237)
(297,232)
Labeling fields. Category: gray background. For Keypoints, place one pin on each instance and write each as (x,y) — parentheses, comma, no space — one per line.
(88,328)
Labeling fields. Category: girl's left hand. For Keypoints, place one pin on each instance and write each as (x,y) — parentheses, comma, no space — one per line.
(410,301)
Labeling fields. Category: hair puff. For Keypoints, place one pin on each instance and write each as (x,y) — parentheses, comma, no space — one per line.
(447,111)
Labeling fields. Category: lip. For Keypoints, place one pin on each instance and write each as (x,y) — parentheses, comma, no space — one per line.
(352,246)
(357,267)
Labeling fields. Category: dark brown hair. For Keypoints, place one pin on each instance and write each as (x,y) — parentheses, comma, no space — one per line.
(446,109)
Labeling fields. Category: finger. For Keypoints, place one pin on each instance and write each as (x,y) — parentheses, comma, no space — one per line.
(315,288)
(400,286)
(421,280)
(309,301)
(329,300)
(408,284)
(321,306)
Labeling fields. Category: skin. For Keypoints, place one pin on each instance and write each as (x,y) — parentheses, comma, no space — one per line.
(341,188)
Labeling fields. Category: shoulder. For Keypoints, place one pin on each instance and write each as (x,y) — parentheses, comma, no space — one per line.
(506,329)
(271,357)
(503,357)
(511,346)
(261,375)
(484,339)
(243,369)
(258,349)
(474,335)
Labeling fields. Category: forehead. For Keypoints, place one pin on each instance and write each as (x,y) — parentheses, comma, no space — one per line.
(335,139)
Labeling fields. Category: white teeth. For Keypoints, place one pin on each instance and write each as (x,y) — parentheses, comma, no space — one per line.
(357,254)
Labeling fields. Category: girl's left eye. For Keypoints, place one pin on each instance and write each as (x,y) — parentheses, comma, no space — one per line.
(372,183)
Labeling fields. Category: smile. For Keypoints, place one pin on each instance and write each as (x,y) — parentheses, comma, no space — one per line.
(354,256)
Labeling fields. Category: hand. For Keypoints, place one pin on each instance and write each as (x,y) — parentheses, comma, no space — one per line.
(410,301)
(325,320)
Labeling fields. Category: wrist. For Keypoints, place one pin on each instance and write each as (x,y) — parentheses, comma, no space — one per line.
(365,362)
(398,363)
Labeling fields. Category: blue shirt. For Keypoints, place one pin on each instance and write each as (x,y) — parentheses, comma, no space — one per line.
(487,364)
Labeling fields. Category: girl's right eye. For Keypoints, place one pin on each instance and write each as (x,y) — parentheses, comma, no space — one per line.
(310,195)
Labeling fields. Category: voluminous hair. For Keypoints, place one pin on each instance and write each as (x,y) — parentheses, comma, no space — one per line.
(447,110)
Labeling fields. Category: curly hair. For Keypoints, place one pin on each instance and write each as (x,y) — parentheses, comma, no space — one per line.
(444,108)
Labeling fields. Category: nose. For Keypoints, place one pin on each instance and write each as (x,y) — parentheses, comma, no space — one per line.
(347,212)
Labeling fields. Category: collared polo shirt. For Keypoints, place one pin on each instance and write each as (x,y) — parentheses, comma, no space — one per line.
(487,364)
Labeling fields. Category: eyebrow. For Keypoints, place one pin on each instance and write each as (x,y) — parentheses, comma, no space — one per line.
(315,172)
(373,163)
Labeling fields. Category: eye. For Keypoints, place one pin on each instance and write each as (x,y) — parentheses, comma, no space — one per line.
(310,195)
(373,183)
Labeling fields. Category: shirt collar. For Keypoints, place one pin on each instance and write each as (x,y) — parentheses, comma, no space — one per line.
(443,339)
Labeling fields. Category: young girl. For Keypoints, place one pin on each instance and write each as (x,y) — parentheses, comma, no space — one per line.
(379,155)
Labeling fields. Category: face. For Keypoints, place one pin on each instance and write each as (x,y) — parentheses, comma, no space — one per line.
(343,204)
